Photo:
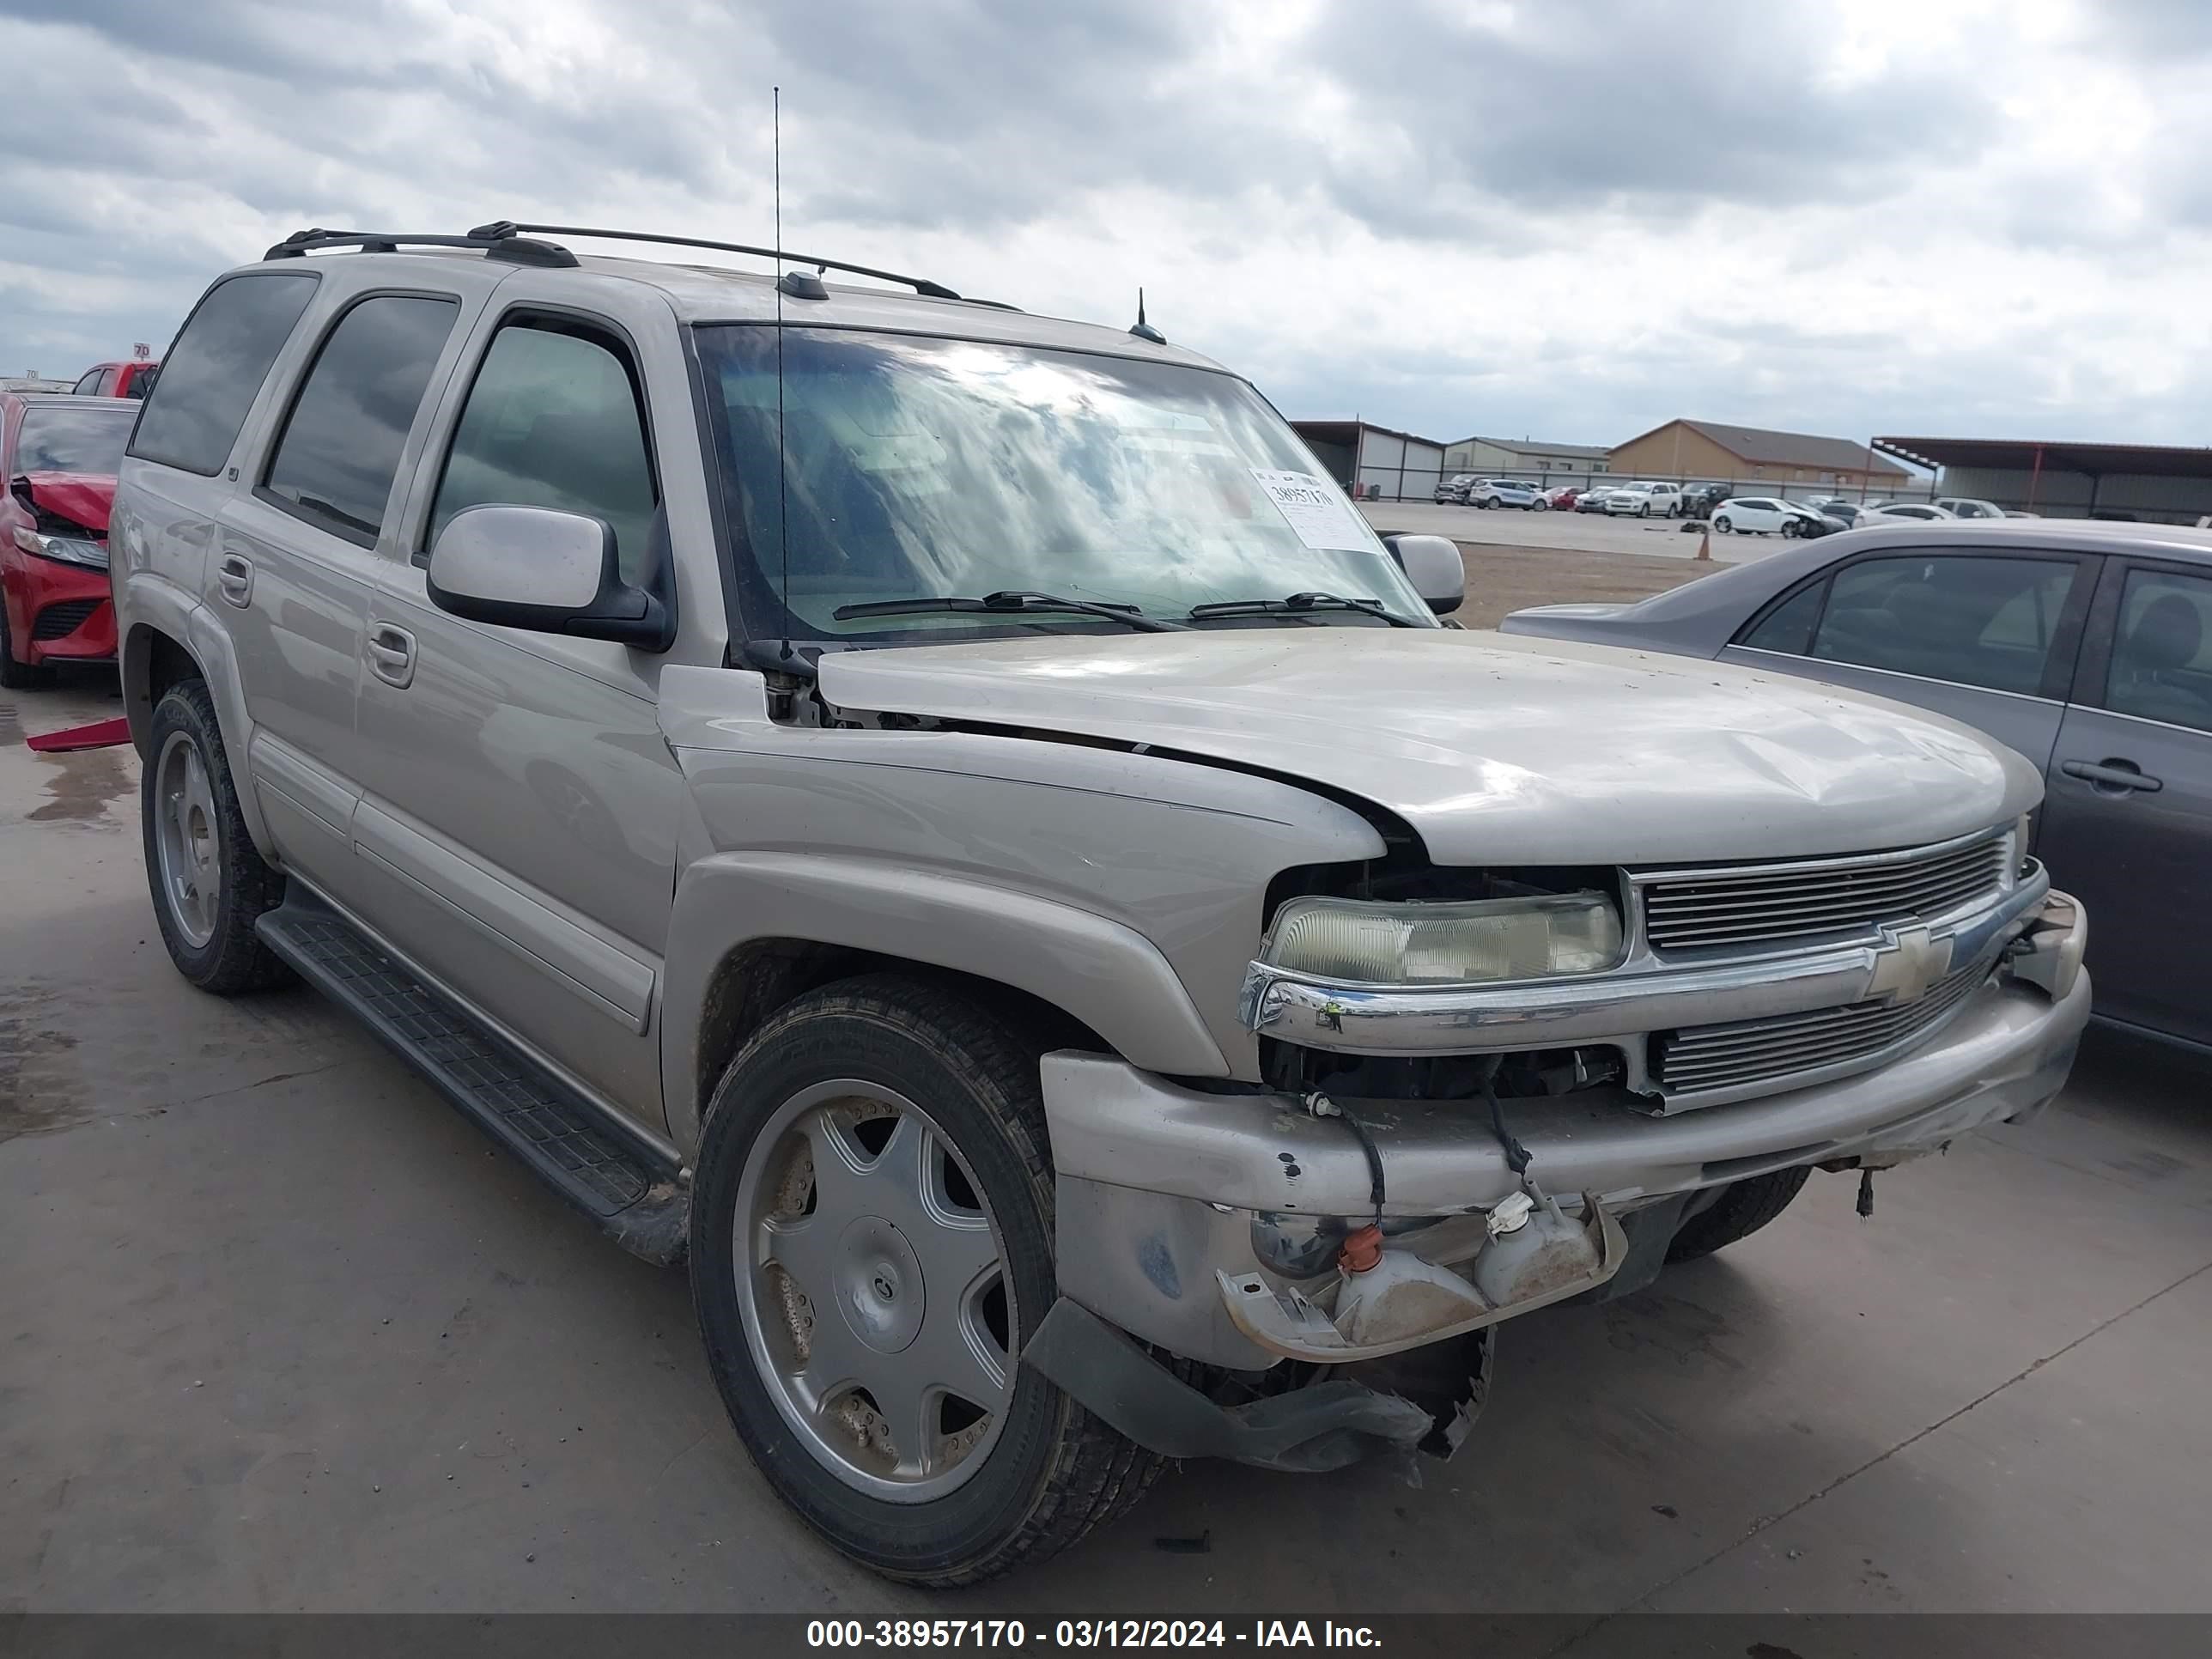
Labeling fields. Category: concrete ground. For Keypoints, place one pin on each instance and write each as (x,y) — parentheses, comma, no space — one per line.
(278,1330)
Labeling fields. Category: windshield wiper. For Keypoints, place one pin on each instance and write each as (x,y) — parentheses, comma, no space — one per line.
(1297,604)
(1006,601)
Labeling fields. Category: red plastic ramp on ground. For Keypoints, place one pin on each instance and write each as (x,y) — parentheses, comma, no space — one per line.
(100,734)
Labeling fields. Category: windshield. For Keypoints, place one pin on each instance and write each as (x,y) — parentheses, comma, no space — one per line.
(74,440)
(926,468)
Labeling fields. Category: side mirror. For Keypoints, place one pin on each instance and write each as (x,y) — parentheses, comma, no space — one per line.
(1434,566)
(547,571)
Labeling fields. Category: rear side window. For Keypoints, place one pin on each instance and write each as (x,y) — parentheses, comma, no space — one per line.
(1990,622)
(340,449)
(2162,655)
(554,421)
(209,378)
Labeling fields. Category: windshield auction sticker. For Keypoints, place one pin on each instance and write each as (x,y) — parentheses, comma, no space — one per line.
(1315,509)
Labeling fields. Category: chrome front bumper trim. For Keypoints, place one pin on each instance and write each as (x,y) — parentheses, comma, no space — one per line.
(2006,1053)
(1366,1019)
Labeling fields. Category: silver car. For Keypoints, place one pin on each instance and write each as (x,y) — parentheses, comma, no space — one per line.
(947,821)
(2084,646)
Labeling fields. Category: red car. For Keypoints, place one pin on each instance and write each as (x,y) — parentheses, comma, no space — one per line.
(132,379)
(59,457)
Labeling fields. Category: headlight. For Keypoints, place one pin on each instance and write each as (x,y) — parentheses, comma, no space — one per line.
(1453,944)
(70,550)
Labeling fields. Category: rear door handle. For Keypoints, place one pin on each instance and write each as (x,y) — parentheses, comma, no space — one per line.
(391,654)
(233,577)
(2112,777)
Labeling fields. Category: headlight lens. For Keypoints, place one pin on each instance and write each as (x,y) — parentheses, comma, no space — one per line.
(1453,944)
(70,550)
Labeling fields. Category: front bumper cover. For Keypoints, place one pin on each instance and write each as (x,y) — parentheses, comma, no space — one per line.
(1168,1190)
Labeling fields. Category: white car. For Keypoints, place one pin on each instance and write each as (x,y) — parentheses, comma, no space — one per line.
(1930,512)
(1969,507)
(1646,501)
(1760,515)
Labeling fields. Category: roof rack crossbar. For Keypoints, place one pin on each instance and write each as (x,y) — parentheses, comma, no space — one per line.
(515,250)
(506,228)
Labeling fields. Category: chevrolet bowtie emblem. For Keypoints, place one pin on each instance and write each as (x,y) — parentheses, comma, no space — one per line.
(1906,963)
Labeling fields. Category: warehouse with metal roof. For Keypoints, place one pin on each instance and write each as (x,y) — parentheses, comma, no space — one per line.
(2156,483)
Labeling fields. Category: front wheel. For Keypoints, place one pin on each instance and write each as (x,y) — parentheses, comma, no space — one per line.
(1723,524)
(1743,1207)
(1644,511)
(871,1244)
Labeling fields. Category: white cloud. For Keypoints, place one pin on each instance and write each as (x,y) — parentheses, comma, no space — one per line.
(1559,218)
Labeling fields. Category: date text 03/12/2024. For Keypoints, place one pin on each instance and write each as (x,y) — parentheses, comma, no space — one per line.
(1087,1633)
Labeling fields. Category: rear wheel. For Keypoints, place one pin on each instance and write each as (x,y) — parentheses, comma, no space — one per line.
(871,1245)
(209,881)
(1743,1207)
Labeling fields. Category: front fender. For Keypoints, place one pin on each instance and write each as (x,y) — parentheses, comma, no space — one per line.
(1101,971)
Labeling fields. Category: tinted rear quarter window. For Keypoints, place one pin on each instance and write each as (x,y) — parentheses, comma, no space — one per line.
(340,448)
(211,375)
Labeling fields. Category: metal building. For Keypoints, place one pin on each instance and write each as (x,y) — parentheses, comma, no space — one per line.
(1375,460)
(2155,482)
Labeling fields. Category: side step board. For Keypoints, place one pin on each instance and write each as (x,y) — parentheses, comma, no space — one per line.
(627,1187)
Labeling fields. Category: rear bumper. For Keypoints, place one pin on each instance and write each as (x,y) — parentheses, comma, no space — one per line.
(1170,1194)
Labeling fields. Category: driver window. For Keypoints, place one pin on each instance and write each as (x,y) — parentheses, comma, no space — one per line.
(554,420)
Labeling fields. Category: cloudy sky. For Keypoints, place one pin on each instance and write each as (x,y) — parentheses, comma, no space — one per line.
(1572,219)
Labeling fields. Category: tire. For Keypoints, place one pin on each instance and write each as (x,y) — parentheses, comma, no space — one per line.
(1743,1207)
(1723,524)
(14,675)
(1643,511)
(1044,1471)
(211,941)
(1540,505)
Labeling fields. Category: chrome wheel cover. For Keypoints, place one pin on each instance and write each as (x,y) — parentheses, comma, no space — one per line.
(187,848)
(873,1290)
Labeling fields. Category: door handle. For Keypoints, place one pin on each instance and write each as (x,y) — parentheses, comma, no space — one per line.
(2112,777)
(391,654)
(233,577)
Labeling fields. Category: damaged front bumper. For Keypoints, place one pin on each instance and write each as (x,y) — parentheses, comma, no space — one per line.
(1206,1224)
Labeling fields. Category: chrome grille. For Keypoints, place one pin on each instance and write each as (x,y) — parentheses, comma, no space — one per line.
(1702,1058)
(1694,908)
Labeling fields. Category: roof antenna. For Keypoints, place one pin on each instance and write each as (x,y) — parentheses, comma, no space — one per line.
(783,470)
(1143,330)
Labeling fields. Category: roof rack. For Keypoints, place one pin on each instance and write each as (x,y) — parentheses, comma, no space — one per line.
(507,229)
(496,244)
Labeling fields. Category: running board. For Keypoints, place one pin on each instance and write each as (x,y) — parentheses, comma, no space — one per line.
(627,1187)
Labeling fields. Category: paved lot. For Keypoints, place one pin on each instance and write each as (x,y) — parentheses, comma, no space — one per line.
(278,1330)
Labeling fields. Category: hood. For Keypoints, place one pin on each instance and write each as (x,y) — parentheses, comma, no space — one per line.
(1495,749)
(83,498)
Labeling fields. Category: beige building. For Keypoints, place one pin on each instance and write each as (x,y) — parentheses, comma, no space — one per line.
(1732,454)
(1525,457)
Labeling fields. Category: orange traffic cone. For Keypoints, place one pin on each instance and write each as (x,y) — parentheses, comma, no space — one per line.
(1706,545)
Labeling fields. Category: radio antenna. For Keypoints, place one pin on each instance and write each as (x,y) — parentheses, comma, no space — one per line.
(782,468)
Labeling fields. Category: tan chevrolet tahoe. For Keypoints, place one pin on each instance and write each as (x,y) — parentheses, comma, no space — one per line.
(948,821)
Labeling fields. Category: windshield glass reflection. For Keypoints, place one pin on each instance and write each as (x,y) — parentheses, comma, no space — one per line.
(926,468)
